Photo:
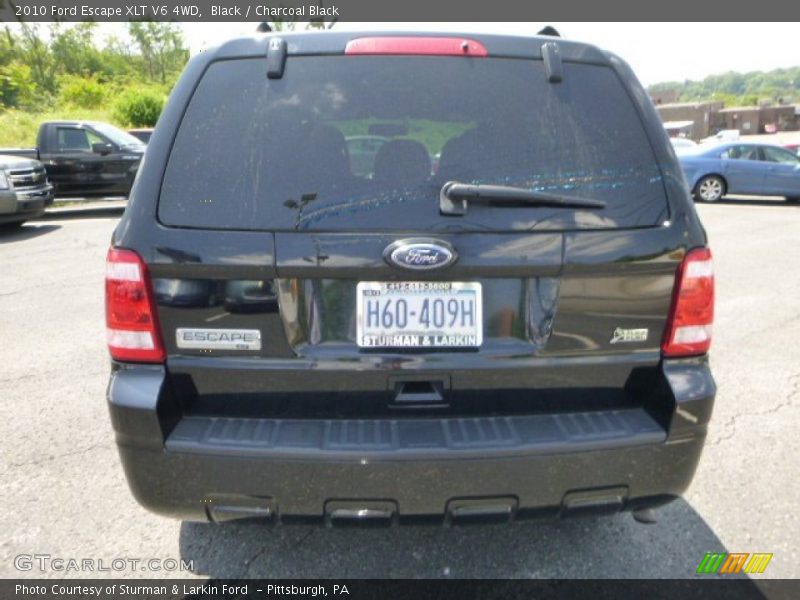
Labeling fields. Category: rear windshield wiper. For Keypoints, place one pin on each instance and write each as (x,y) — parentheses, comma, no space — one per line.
(454,196)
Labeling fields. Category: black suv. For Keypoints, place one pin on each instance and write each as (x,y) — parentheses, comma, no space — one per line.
(505,311)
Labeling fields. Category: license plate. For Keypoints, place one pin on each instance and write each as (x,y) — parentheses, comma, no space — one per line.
(419,314)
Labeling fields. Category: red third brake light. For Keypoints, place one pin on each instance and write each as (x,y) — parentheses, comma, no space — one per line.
(688,331)
(131,323)
(435,46)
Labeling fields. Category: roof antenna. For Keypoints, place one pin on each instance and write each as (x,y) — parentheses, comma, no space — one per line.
(263,27)
(549,30)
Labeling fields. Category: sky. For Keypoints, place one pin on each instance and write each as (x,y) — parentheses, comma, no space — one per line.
(656,51)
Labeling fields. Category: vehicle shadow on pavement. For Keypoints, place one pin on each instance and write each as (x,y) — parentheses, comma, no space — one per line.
(26,232)
(607,547)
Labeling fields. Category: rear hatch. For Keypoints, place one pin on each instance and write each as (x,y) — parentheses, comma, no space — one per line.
(307,267)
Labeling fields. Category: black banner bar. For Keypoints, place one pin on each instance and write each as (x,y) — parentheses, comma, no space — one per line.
(349,589)
(406,10)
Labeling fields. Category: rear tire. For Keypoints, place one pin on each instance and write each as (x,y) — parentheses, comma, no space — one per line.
(710,188)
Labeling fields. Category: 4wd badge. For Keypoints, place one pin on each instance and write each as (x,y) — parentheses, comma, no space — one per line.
(621,335)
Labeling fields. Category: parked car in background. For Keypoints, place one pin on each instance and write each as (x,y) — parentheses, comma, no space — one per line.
(714,170)
(726,135)
(142,133)
(24,190)
(85,158)
(681,143)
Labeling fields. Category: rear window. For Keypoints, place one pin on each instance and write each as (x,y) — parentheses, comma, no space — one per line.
(365,143)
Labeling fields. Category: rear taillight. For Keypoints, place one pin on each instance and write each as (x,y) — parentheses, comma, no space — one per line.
(691,315)
(131,321)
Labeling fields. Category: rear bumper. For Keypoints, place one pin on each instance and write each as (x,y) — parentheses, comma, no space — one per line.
(406,469)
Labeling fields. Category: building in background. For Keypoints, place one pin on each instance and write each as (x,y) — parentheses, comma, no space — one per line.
(699,113)
(758,119)
(665,96)
(708,118)
(682,129)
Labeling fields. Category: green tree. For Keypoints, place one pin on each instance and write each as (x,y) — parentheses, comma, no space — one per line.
(33,50)
(294,24)
(139,107)
(84,92)
(162,49)
(74,51)
(7,51)
(16,87)
(119,58)
(742,89)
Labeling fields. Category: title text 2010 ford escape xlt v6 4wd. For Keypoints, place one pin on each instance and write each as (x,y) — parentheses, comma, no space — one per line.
(505,313)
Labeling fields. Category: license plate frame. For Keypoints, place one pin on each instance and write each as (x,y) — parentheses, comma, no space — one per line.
(414,293)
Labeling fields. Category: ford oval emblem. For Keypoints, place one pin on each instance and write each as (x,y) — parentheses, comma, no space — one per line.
(420,254)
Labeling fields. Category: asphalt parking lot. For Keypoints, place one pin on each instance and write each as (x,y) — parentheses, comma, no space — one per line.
(65,494)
